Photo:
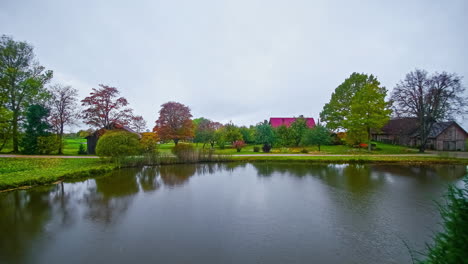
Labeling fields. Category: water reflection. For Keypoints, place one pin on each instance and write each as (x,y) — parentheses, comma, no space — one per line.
(359,204)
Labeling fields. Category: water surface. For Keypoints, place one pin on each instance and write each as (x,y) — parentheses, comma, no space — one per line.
(228,213)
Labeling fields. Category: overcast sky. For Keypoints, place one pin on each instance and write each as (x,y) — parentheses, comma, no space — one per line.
(239,60)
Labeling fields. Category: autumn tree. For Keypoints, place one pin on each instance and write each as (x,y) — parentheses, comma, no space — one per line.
(63,109)
(104,107)
(319,135)
(335,112)
(174,122)
(369,111)
(22,81)
(429,98)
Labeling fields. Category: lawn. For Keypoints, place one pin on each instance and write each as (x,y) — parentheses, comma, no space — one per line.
(381,149)
(15,172)
(70,147)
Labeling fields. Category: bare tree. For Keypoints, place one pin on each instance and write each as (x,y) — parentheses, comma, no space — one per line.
(63,109)
(138,124)
(430,98)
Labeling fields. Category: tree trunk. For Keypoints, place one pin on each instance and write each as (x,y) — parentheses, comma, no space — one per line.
(319,147)
(15,132)
(176,140)
(369,146)
(60,140)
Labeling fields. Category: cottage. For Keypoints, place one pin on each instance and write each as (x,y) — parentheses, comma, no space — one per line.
(405,131)
(287,121)
(94,137)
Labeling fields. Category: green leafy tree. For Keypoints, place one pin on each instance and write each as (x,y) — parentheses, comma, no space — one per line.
(5,126)
(232,133)
(336,111)
(248,134)
(265,135)
(284,136)
(297,129)
(22,80)
(117,145)
(36,126)
(319,135)
(369,111)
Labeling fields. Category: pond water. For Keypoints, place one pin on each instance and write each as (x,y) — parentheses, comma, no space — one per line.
(228,213)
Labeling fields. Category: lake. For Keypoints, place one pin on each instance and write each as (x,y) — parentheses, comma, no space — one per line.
(229,213)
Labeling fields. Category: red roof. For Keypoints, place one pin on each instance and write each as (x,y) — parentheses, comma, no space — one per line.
(287,121)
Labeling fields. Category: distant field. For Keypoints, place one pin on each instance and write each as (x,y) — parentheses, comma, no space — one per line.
(71,146)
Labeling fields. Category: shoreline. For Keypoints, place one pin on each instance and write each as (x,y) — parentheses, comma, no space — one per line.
(57,174)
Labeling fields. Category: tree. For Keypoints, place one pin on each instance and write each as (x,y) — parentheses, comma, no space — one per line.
(368,111)
(5,126)
(138,124)
(36,126)
(319,135)
(336,111)
(174,122)
(117,145)
(297,130)
(63,109)
(104,107)
(22,81)
(429,98)
(232,133)
(205,131)
(248,134)
(284,136)
(265,135)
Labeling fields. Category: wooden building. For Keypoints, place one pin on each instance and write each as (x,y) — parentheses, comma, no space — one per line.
(448,136)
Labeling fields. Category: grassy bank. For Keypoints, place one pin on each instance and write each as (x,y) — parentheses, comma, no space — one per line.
(355,159)
(17,172)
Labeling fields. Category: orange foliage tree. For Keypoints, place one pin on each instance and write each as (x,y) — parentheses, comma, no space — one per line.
(174,122)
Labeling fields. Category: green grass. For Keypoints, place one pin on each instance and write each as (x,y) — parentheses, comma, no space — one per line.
(382,149)
(16,172)
(354,159)
(70,147)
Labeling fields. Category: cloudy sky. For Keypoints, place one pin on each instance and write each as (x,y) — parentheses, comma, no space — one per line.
(238,60)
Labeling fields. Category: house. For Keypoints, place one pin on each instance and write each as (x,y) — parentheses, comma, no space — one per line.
(287,121)
(92,139)
(405,131)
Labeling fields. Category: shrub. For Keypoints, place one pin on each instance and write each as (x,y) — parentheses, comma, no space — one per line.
(256,149)
(118,144)
(451,244)
(238,144)
(266,148)
(82,150)
(305,151)
(47,144)
(184,152)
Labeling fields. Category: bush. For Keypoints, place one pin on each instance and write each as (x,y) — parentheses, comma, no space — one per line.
(47,144)
(184,152)
(82,150)
(266,148)
(305,151)
(256,149)
(238,144)
(451,245)
(118,144)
